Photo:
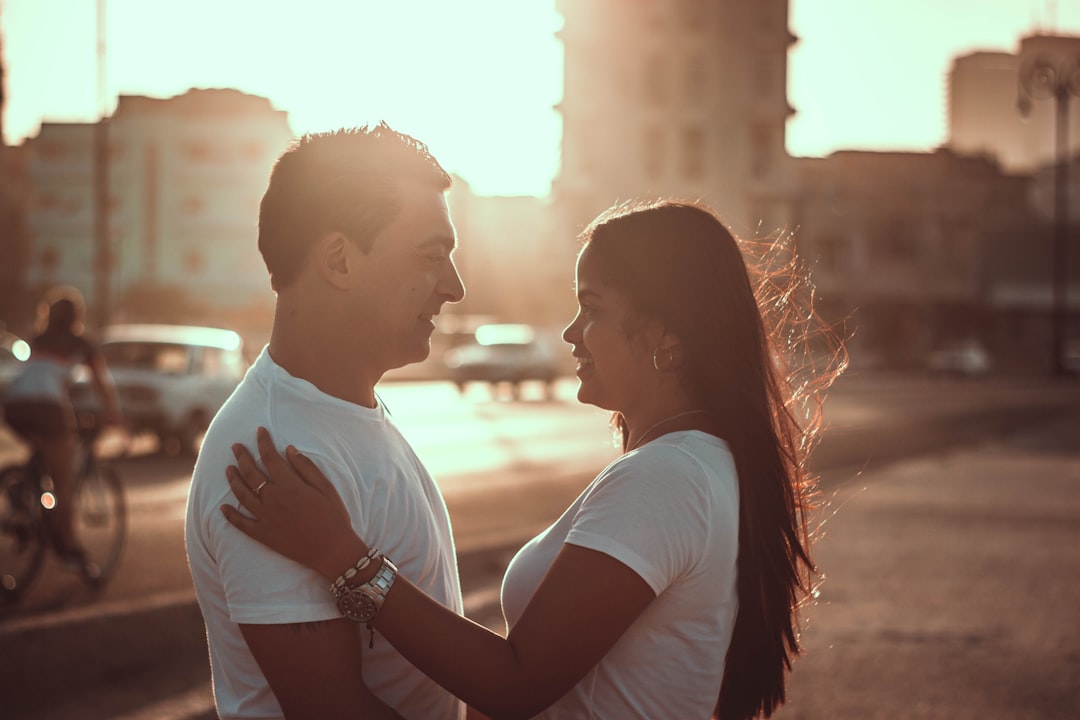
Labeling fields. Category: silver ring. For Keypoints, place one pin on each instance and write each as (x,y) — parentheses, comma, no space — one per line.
(261,486)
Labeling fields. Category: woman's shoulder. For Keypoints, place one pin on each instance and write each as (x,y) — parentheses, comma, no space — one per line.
(696,456)
(691,448)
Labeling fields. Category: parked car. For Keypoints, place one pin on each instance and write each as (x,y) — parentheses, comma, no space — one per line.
(13,352)
(171,379)
(960,357)
(503,353)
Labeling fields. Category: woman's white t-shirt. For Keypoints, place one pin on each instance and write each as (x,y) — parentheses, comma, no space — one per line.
(669,511)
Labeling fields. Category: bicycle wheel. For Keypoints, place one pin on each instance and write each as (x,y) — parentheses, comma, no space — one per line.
(22,534)
(100,520)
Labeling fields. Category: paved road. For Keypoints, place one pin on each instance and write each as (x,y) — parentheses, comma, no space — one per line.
(951,586)
(475,446)
(872,420)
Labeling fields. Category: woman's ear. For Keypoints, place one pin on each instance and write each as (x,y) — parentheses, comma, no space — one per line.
(333,258)
(669,355)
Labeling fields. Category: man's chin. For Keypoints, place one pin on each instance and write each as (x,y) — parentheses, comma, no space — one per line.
(414,355)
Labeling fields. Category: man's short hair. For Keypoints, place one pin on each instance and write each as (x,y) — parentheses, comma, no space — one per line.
(346,181)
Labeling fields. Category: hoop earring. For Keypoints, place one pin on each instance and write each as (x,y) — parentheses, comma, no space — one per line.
(670,357)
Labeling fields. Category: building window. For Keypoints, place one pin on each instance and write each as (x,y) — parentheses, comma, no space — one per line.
(652,152)
(656,12)
(252,151)
(766,11)
(696,79)
(695,13)
(832,253)
(199,152)
(52,151)
(58,205)
(655,79)
(956,248)
(50,259)
(760,213)
(897,245)
(194,205)
(762,75)
(194,263)
(760,152)
(693,154)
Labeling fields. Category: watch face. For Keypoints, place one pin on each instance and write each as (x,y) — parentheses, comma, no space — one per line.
(354,604)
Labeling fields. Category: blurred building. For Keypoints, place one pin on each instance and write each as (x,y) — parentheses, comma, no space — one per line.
(984,116)
(185,177)
(503,257)
(675,98)
(16,302)
(918,249)
(502,250)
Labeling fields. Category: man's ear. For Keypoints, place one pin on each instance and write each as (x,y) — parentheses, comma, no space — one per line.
(333,259)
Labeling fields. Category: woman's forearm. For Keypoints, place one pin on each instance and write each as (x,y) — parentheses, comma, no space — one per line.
(470,661)
(475,664)
(340,555)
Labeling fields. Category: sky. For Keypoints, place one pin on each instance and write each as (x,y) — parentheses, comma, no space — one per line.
(478,80)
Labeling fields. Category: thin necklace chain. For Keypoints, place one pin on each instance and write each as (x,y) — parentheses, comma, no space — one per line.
(645,434)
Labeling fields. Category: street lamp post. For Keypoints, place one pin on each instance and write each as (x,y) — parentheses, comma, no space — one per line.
(103,251)
(1043,78)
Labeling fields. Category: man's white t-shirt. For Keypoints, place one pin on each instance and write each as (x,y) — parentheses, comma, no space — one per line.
(395,506)
(670,512)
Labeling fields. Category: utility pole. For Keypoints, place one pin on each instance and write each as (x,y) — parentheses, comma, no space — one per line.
(103,255)
(1056,79)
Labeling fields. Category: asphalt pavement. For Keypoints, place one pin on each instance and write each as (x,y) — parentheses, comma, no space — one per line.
(950,586)
(950,578)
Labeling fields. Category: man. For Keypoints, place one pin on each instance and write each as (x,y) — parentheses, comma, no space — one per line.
(355,233)
(37,406)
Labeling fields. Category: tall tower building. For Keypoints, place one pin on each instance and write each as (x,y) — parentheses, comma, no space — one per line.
(3,93)
(984,112)
(675,98)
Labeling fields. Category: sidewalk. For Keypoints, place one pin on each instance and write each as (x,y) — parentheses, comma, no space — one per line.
(951,586)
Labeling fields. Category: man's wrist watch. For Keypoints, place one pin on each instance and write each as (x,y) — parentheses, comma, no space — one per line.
(361,603)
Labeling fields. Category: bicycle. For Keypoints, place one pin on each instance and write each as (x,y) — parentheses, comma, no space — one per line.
(100,517)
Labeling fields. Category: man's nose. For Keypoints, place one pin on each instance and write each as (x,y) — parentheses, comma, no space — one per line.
(451,285)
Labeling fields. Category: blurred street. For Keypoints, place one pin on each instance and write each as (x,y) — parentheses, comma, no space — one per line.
(950,522)
(951,583)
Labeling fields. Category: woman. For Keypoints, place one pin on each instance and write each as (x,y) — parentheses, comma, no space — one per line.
(37,406)
(669,587)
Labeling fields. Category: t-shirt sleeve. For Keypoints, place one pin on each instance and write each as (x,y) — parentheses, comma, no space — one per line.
(648,511)
(263,587)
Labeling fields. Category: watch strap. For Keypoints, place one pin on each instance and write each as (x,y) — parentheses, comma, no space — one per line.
(361,603)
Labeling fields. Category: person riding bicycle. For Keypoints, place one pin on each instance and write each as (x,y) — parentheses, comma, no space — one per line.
(38,407)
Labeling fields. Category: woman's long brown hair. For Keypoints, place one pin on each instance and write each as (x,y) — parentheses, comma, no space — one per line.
(743,326)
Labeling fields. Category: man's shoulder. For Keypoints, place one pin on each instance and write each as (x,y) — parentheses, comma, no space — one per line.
(235,422)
